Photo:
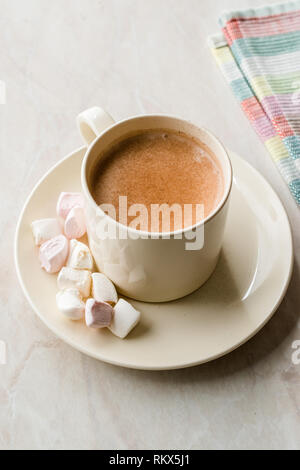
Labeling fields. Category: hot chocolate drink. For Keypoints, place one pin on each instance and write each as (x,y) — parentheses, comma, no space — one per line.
(160,167)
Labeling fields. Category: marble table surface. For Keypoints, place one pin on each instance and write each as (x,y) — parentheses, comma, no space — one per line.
(130,57)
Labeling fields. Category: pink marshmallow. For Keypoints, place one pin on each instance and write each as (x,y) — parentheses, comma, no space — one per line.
(67,201)
(98,314)
(54,254)
(75,226)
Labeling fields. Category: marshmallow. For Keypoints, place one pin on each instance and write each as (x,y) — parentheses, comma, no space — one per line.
(45,229)
(80,256)
(70,303)
(98,314)
(75,226)
(103,289)
(54,253)
(75,278)
(67,201)
(125,319)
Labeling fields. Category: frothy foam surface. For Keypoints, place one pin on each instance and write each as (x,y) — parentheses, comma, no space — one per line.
(160,167)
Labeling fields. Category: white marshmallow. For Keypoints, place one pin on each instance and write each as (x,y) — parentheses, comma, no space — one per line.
(67,201)
(125,319)
(54,253)
(70,304)
(45,229)
(75,226)
(75,278)
(80,256)
(98,314)
(103,289)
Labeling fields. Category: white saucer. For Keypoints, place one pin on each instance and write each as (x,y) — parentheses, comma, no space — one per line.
(242,295)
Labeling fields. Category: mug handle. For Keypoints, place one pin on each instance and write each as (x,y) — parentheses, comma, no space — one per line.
(92,122)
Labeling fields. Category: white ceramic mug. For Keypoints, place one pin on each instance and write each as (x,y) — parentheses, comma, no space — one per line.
(144,267)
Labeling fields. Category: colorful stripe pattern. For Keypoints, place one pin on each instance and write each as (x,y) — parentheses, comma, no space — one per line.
(259,54)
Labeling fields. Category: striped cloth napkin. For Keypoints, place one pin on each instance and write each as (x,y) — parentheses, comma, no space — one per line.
(259,54)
